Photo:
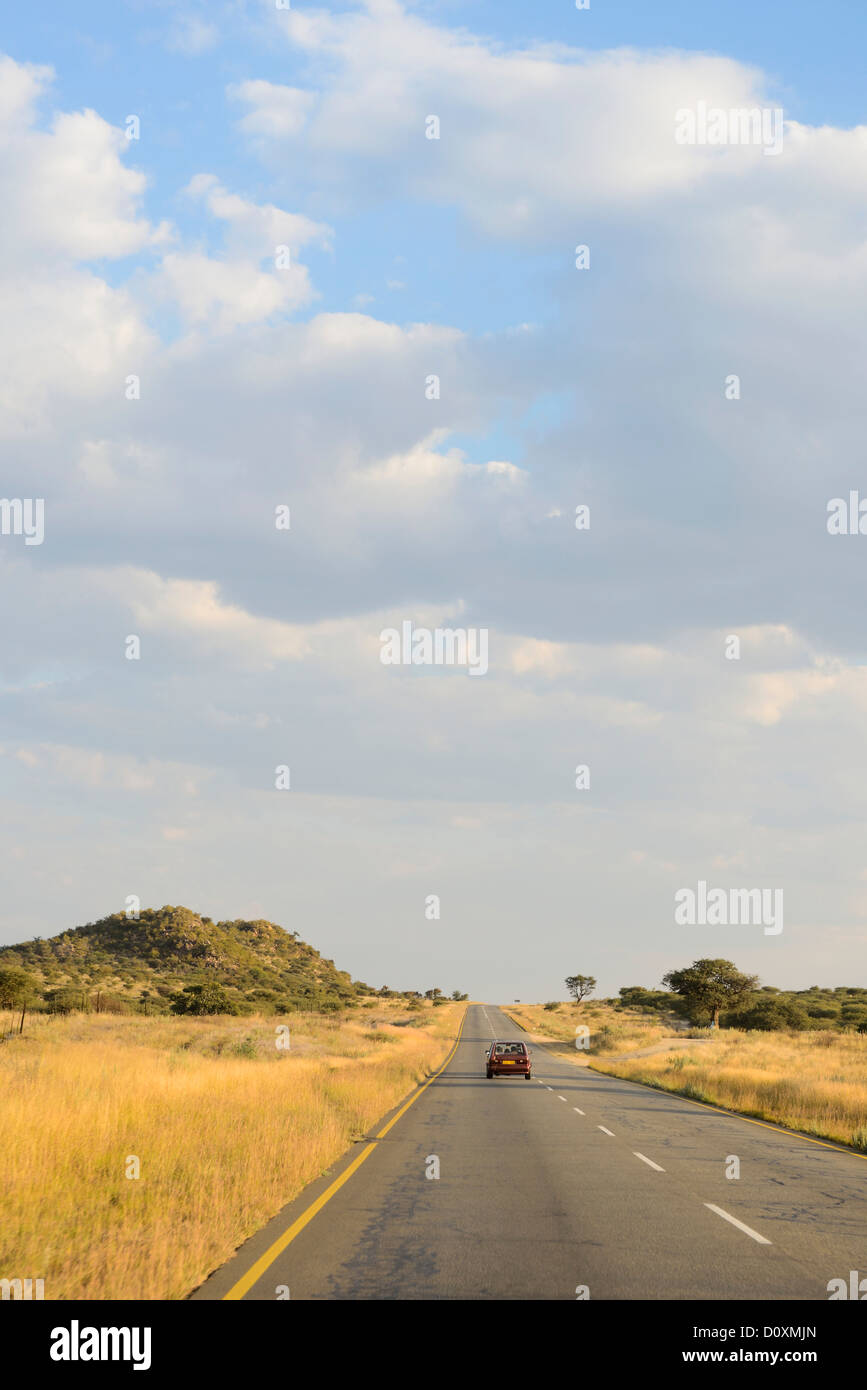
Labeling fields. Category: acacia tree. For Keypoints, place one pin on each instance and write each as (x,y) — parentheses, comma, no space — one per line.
(579,986)
(16,990)
(15,985)
(710,985)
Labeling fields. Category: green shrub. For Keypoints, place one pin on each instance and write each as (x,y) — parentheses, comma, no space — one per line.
(208,998)
(769,1015)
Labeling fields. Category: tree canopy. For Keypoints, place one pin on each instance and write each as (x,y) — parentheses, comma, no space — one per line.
(708,986)
(579,986)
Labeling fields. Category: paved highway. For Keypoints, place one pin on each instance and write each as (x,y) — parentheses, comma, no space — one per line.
(570,1181)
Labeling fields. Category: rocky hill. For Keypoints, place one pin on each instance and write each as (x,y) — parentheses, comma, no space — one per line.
(119,963)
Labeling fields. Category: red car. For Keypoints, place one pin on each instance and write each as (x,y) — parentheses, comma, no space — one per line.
(507,1059)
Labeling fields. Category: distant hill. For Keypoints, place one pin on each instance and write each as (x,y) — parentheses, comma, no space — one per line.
(118,964)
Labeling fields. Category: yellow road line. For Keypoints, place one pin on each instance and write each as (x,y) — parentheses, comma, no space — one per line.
(255,1272)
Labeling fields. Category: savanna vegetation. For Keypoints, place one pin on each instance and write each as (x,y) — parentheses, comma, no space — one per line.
(139,1152)
(172,960)
(792,1057)
(813,1082)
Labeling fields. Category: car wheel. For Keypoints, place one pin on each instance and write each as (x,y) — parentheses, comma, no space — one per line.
(527,1076)
(489,1074)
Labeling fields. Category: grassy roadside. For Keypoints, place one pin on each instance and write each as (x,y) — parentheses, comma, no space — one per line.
(611,1030)
(815,1082)
(226,1125)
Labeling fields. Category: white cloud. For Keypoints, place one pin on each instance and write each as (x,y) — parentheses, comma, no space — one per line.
(95,768)
(192,611)
(66,191)
(424,467)
(68,197)
(21,87)
(526,132)
(606,646)
(257,229)
(191,35)
(258,275)
(225,294)
(276,111)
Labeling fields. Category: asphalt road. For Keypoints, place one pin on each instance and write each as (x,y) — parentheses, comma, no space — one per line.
(553,1185)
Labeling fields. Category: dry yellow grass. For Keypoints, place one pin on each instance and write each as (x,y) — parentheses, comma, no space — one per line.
(814,1082)
(227,1128)
(611,1031)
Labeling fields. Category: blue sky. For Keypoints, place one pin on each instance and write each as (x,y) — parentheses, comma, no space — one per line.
(119,59)
(560,387)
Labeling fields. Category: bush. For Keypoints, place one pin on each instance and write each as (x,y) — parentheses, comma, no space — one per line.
(657,1000)
(113,1004)
(203,999)
(66,1001)
(769,1015)
(853,1015)
(552,1005)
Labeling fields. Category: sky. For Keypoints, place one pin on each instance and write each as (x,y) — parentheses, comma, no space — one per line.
(233,262)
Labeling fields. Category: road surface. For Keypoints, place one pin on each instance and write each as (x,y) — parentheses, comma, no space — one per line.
(570,1182)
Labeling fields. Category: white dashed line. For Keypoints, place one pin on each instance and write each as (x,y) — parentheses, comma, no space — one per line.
(549,1088)
(649,1161)
(604,1130)
(561,1097)
(577,1111)
(748,1230)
